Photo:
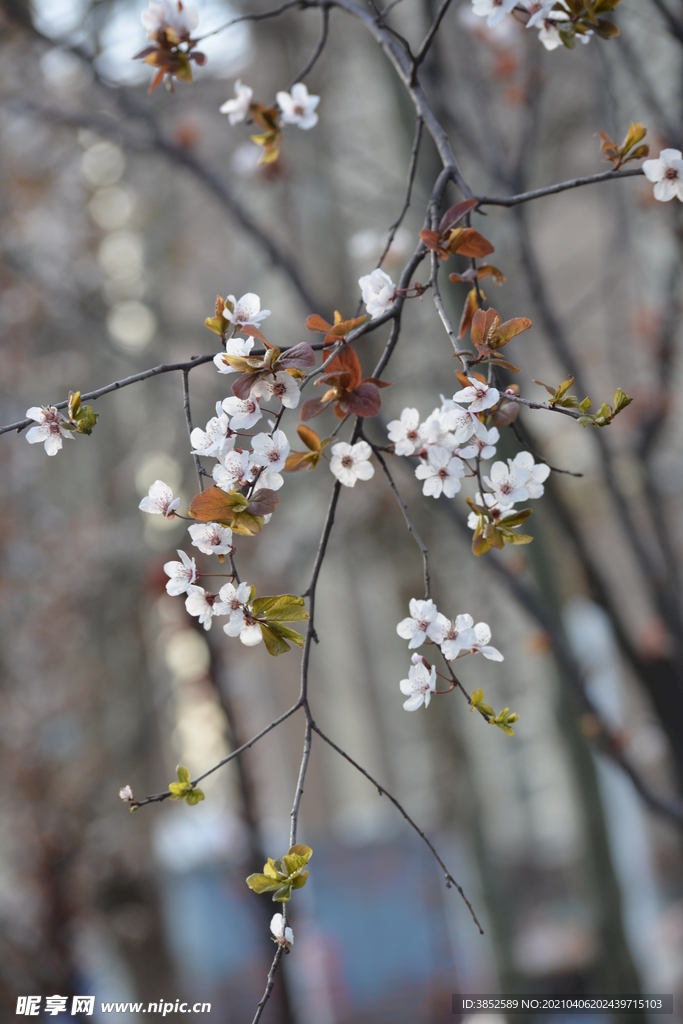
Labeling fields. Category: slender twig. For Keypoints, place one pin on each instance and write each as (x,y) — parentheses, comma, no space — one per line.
(412,168)
(188,420)
(450,881)
(514,427)
(116,385)
(462,355)
(320,46)
(298,793)
(269,984)
(562,186)
(258,16)
(159,797)
(429,38)
(406,515)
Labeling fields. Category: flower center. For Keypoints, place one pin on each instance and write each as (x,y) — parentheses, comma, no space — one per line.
(671,174)
(299,110)
(443,473)
(347,461)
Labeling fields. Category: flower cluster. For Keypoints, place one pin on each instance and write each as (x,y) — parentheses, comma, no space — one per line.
(53,426)
(169,25)
(447,438)
(297,107)
(456,638)
(559,22)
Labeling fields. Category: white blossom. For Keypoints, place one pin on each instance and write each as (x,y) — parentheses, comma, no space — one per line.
(349,462)
(405,432)
(236,600)
(441,473)
(246,310)
(538,9)
(459,423)
(484,447)
(270,450)
(169,14)
(160,500)
(204,605)
(238,108)
(211,538)
(234,470)
(182,575)
(50,430)
(126,794)
(234,347)
(419,686)
(478,396)
(378,291)
(538,473)
(424,623)
(283,935)
(508,483)
(434,431)
(243,413)
(667,174)
(483,644)
(549,33)
(282,386)
(214,441)
(458,636)
(492,10)
(298,107)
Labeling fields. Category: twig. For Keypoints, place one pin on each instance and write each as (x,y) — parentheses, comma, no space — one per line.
(116,385)
(450,881)
(188,419)
(429,38)
(320,46)
(269,984)
(298,793)
(550,190)
(406,515)
(514,427)
(412,168)
(261,16)
(159,797)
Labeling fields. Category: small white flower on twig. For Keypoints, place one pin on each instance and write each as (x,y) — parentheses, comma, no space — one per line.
(349,462)
(245,311)
(478,396)
(424,623)
(418,687)
(160,500)
(441,473)
(378,291)
(211,538)
(237,109)
(284,936)
(182,575)
(667,174)
(298,107)
(50,430)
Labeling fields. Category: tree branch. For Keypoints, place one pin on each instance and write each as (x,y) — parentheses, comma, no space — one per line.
(450,881)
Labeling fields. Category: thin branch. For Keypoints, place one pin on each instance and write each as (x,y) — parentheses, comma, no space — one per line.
(562,186)
(320,46)
(429,38)
(269,984)
(123,383)
(412,168)
(188,420)
(443,315)
(406,515)
(159,797)
(450,881)
(299,792)
(514,427)
(301,4)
